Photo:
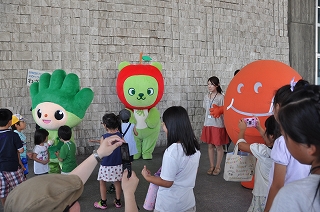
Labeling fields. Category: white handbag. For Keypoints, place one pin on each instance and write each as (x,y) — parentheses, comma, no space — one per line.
(237,167)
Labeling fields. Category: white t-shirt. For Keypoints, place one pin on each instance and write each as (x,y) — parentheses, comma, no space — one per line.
(262,170)
(182,170)
(42,154)
(298,196)
(281,155)
(129,138)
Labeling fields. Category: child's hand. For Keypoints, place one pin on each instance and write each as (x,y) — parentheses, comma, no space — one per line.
(135,131)
(57,153)
(145,172)
(30,155)
(242,125)
(258,125)
(44,162)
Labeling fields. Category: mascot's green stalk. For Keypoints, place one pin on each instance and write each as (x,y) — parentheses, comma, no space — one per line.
(56,101)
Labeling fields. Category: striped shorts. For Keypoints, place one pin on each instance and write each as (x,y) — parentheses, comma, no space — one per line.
(9,180)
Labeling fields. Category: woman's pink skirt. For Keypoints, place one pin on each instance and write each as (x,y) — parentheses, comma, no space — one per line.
(214,135)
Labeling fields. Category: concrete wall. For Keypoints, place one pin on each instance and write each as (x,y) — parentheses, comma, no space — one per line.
(302,37)
(193,39)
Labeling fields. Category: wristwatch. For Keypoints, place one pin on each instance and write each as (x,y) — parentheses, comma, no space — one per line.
(96,156)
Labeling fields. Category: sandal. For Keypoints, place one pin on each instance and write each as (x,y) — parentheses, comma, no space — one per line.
(210,171)
(216,171)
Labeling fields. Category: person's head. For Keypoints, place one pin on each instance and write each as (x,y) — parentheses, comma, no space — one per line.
(40,136)
(5,117)
(301,83)
(279,97)
(299,119)
(65,133)
(177,126)
(272,130)
(54,192)
(18,122)
(111,121)
(282,94)
(234,74)
(124,115)
(214,84)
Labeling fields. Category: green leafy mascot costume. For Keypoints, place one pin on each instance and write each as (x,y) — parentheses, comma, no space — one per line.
(140,87)
(56,101)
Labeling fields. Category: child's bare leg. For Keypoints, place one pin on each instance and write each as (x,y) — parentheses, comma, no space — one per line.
(117,186)
(103,190)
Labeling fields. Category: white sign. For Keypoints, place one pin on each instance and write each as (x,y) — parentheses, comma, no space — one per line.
(33,76)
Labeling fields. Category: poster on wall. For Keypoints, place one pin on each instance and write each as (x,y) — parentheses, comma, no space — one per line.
(33,76)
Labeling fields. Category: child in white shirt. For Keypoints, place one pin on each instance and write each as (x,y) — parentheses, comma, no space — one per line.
(40,152)
(264,162)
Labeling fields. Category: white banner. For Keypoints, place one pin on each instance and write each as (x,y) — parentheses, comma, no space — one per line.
(33,76)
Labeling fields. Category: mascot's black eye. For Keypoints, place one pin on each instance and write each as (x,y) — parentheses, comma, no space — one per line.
(131,91)
(150,91)
(39,113)
(59,114)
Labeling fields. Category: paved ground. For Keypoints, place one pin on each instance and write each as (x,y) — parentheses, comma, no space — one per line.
(212,193)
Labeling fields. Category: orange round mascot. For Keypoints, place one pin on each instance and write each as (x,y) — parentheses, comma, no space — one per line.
(250,93)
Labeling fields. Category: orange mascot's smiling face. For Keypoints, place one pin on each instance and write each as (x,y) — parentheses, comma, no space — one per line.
(250,93)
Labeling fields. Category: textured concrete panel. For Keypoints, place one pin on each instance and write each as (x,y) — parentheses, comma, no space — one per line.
(192,39)
(302,37)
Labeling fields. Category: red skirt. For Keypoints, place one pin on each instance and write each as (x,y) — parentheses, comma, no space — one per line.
(214,135)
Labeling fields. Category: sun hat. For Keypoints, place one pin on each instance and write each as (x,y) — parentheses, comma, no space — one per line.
(16,118)
(49,192)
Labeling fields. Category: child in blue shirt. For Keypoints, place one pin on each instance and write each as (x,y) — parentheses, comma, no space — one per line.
(111,166)
(11,174)
(19,124)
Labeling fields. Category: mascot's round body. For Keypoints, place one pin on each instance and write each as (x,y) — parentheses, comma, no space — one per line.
(250,93)
(56,101)
(140,87)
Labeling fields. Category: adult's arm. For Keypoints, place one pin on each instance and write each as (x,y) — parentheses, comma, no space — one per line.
(107,146)
(129,186)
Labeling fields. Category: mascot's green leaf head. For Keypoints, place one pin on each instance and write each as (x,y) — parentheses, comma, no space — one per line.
(140,86)
(57,100)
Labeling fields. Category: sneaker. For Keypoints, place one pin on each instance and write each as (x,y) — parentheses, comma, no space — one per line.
(117,203)
(99,205)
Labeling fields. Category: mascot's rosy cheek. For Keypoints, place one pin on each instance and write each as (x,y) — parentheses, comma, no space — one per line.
(250,93)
